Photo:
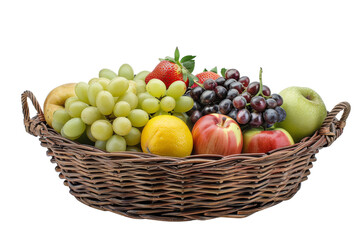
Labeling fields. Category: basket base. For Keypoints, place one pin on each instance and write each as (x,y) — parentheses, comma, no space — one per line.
(228,212)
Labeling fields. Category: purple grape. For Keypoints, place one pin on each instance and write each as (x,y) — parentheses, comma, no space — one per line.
(233,114)
(225,106)
(228,82)
(220,81)
(210,84)
(206,110)
(271,116)
(243,116)
(266,90)
(244,80)
(247,96)
(253,88)
(215,108)
(256,119)
(196,92)
(232,73)
(232,93)
(238,86)
(207,97)
(281,112)
(271,103)
(239,102)
(196,115)
(195,107)
(258,103)
(220,92)
(277,98)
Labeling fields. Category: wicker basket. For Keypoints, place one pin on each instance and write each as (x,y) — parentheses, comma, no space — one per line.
(141,185)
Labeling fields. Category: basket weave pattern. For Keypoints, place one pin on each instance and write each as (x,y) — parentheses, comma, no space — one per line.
(141,185)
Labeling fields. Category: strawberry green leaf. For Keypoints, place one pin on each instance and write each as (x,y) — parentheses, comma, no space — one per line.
(177,54)
(191,80)
(223,70)
(184,73)
(187,58)
(189,65)
(214,70)
(205,70)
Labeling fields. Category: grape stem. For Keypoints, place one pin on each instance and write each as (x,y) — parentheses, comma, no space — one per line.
(261,85)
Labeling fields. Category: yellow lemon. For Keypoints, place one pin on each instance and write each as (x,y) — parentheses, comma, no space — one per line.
(167,136)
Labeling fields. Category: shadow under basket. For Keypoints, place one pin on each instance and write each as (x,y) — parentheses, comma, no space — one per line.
(147,186)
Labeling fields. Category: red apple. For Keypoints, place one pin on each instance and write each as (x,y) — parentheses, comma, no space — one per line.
(258,140)
(217,134)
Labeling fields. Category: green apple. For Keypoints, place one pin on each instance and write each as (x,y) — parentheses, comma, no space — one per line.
(305,111)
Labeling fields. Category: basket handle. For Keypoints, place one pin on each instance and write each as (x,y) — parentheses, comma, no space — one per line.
(325,129)
(25,108)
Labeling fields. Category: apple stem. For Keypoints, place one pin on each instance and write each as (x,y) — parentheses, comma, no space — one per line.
(223,120)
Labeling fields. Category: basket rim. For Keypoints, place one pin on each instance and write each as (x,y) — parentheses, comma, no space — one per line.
(130,156)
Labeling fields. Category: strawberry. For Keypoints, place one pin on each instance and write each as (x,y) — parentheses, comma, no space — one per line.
(205,75)
(170,70)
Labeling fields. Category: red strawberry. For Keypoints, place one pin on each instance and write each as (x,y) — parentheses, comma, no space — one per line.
(202,77)
(170,70)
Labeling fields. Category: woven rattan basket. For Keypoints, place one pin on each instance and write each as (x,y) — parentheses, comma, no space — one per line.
(141,185)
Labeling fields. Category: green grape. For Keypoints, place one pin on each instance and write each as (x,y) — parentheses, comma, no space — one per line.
(141,75)
(74,128)
(142,97)
(107,73)
(57,126)
(132,87)
(156,88)
(126,71)
(90,115)
(151,105)
(138,117)
(161,112)
(93,91)
(69,101)
(122,109)
(81,91)
(76,108)
(184,104)
(101,130)
(140,86)
(93,80)
(133,137)
(64,135)
(182,116)
(60,117)
(130,98)
(118,86)
(88,133)
(167,104)
(121,126)
(176,89)
(100,145)
(116,144)
(105,102)
(104,82)
(133,149)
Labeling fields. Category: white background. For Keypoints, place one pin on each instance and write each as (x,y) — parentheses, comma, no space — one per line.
(307,43)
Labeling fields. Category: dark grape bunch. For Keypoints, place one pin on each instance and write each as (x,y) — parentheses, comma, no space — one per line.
(249,103)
